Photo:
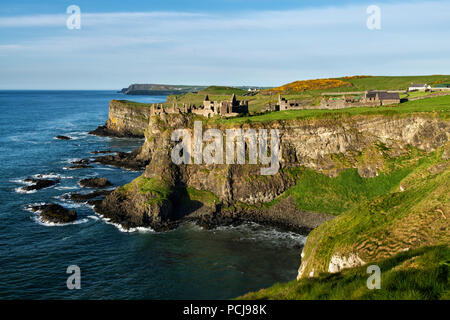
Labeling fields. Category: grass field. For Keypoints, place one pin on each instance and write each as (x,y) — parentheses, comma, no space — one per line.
(422,274)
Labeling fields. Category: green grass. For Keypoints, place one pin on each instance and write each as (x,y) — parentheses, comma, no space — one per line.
(205,197)
(134,104)
(220,90)
(415,94)
(394,82)
(156,188)
(404,232)
(317,192)
(422,274)
(390,222)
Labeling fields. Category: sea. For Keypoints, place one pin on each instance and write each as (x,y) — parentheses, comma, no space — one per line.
(186,263)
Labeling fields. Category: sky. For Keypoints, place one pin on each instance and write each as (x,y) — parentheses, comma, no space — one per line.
(220,42)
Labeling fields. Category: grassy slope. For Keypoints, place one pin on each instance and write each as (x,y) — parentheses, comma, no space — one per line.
(390,222)
(316,192)
(418,274)
(376,229)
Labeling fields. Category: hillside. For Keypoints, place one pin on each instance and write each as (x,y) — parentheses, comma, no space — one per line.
(386,230)
(421,274)
(356,83)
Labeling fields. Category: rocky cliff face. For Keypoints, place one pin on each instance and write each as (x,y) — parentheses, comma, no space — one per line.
(213,194)
(125,120)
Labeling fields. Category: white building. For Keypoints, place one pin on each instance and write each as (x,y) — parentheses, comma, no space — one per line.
(419,87)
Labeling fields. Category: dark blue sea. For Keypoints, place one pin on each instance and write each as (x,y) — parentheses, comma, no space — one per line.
(186,263)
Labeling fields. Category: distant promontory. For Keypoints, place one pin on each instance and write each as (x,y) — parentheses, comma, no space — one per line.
(159,89)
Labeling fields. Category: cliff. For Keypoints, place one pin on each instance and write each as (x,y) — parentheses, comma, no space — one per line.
(125,119)
(358,156)
(367,188)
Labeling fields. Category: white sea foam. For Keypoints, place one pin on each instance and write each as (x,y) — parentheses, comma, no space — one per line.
(50,175)
(23,191)
(71,204)
(21,181)
(121,228)
(67,187)
(251,231)
(29,207)
(38,220)
(71,160)
(106,168)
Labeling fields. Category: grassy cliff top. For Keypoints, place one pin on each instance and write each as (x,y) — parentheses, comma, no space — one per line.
(221,90)
(433,106)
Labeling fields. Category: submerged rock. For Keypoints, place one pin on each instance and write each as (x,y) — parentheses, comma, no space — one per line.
(63,138)
(102,151)
(38,184)
(55,213)
(95,183)
(79,166)
(123,160)
(79,197)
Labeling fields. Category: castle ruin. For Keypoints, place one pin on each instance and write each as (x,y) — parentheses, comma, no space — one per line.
(369,99)
(226,108)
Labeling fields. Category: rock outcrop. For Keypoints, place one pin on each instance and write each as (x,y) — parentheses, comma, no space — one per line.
(95,183)
(54,213)
(38,184)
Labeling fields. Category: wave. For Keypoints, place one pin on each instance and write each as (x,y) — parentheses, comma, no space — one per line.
(251,231)
(67,188)
(51,175)
(21,181)
(23,191)
(122,229)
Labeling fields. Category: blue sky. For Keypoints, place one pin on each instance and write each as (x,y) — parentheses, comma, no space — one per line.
(227,42)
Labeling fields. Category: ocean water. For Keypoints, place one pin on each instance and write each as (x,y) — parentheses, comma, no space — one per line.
(186,263)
